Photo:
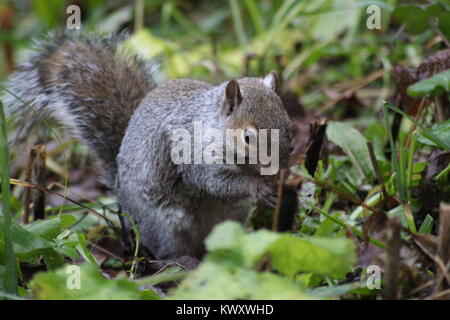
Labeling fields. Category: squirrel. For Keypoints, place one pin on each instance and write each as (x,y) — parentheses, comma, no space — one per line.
(111,100)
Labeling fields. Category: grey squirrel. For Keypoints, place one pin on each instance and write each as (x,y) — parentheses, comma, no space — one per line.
(110,99)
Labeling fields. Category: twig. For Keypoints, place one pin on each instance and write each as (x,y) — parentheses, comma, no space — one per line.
(279,199)
(36,171)
(376,167)
(107,252)
(347,93)
(38,187)
(436,259)
(438,295)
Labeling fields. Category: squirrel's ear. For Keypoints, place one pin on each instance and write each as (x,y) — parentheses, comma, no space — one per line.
(272,81)
(233,97)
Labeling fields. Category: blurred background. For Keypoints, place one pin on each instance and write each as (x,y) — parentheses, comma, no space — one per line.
(314,44)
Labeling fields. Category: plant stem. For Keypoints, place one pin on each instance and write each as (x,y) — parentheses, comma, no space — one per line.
(11,276)
(353,229)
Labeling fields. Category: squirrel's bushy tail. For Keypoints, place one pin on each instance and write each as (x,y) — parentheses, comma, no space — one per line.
(88,84)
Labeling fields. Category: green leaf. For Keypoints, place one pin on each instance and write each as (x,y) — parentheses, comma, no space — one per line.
(444,24)
(149,294)
(414,19)
(335,291)
(214,281)
(442,178)
(34,241)
(227,235)
(247,249)
(326,229)
(50,228)
(56,285)
(52,258)
(436,10)
(440,130)
(83,250)
(26,243)
(443,144)
(435,85)
(49,12)
(427,225)
(291,255)
(354,144)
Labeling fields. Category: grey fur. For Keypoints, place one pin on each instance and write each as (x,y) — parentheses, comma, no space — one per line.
(175,206)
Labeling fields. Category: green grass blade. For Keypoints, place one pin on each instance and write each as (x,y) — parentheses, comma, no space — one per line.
(402,166)
(238,23)
(425,132)
(399,166)
(49,127)
(394,159)
(427,225)
(282,19)
(411,151)
(255,16)
(353,229)
(10,276)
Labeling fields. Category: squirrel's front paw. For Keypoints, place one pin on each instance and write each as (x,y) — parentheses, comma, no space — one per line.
(267,195)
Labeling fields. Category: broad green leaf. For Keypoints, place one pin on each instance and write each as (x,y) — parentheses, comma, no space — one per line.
(353,143)
(52,258)
(435,85)
(50,228)
(247,249)
(326,229)
(62,285)
(229,245)
(214,281)
(309,280)
(227,235)
(291,255)
(26,243)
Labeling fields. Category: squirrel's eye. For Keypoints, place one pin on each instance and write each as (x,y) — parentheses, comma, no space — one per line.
(250,136)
